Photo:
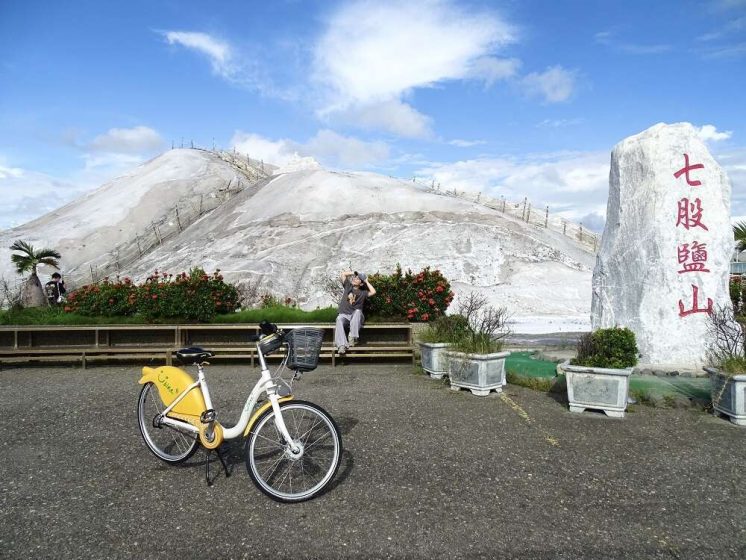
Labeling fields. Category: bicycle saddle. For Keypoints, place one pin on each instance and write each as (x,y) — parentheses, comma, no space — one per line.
(193,355)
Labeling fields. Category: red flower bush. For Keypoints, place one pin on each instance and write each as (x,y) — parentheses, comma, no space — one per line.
(191,297)
(424,296)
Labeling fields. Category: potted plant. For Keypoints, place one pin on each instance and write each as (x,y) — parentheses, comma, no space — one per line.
(476,360)
(435,339)
(598,377)
(728,369)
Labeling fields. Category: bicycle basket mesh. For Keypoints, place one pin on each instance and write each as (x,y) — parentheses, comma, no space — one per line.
(304,346)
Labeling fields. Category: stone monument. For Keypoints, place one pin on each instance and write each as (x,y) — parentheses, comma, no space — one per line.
(666,249)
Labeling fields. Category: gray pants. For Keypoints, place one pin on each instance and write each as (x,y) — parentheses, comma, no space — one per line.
(355,320)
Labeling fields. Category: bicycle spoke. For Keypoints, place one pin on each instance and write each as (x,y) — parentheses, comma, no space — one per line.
(171,443)
(304,437)
(317,440)
(271,441)
(274,467)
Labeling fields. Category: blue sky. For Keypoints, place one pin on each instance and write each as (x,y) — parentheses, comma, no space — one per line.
(513,98)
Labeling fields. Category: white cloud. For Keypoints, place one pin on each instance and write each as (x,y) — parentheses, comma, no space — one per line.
(345,150)
(491,69)
(733,163)
(558,123)
(555,84)
(609,39)
(729,4)
(734,26)
(727,51)
(392,116)
(708,133)
(574,185)
(219,52)
(8,172)
(459,143)
(374,53)
(27,194)
(277,152)
(137,140)
(327,146)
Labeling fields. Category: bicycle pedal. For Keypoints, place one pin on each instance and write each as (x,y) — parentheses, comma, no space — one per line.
(208,416)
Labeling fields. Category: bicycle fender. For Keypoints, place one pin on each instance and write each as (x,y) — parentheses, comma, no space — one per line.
(259,412)
(171,382)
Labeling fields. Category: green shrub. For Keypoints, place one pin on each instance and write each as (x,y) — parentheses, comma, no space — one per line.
(478,343)
(735,290)
(279,314)
(448,328)
(614,348)
(420,297)
(734,366)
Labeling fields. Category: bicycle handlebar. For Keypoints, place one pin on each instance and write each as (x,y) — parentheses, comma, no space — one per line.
(266,329)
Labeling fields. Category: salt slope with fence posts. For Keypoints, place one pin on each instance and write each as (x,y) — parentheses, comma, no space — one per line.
(291,233)
(112,227)
(301,228)
(540,216)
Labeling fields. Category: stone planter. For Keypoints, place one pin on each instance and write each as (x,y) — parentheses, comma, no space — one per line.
(728,395)
(598,388)
(480,373)
(433,358)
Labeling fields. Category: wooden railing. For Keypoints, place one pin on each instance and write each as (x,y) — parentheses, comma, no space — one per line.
(27,344)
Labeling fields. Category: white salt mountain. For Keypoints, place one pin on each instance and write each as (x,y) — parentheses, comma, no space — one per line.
(131,212)
(295,231)
(665,252)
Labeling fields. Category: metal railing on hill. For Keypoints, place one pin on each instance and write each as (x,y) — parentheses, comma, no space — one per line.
(185,212)
(524,211)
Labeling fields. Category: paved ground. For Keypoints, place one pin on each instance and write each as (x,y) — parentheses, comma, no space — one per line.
(427,473)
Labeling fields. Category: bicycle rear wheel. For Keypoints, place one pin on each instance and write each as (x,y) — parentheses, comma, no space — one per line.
(294,477)
(166,442)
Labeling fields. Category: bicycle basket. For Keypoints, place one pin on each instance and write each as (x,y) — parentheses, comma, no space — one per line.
(270,343)
(304,346)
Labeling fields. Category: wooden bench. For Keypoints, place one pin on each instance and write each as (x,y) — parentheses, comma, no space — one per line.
(84,355)
(137,342)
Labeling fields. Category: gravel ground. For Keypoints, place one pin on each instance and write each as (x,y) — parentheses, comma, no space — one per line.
(426,473)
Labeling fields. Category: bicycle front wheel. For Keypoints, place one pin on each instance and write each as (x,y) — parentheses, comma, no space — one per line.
(288,476)
(166,442)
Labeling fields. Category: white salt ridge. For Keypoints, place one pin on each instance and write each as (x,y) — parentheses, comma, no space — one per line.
(303,227)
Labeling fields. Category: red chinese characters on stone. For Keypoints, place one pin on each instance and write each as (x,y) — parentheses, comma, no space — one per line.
(690,214)
(693,257)
(686,169)
(695,304)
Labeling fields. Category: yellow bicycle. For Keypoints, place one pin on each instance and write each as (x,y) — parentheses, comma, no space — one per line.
(292,448)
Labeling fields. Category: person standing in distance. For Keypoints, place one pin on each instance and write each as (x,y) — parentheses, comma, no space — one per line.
(356,290)
(55,289)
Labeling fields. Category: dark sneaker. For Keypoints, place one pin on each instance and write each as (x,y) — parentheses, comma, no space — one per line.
(353,341)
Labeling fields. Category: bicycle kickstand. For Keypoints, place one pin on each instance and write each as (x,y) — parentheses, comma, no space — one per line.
(207,465)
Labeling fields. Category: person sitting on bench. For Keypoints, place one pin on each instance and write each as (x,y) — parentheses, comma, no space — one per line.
(351,309)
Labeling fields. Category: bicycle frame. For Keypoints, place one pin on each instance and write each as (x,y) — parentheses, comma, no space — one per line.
(266,384)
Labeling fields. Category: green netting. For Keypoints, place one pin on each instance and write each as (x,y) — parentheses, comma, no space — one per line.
(524,364)
(694,388)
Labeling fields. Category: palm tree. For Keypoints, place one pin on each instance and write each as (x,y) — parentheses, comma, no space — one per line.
(739,232)
(28,259)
